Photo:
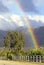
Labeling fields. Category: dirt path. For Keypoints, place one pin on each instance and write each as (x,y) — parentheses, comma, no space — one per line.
(18,63)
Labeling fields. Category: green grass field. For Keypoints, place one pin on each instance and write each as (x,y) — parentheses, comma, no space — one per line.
(3,62)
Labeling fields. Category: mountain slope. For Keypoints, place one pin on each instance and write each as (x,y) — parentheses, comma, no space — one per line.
(27,37)
(40,35)
(39,32)
(36,24)
(2,35)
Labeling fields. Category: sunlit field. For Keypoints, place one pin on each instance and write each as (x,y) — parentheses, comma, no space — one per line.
(3,62)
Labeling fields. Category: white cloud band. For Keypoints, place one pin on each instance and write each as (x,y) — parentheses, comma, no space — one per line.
(37,18)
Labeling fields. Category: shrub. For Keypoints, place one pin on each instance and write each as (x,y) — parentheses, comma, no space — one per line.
(4,53)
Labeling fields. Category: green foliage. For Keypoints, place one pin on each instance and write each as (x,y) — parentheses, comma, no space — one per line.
(15,41)
(6,42)
(4,53)
(9,56)
(36,52)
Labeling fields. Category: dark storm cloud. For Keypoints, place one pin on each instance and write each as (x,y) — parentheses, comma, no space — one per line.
(28,5)
(3,8)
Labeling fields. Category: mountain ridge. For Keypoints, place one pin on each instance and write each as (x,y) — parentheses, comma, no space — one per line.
(27,37)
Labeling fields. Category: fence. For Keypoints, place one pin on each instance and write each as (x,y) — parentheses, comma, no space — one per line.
(36,58)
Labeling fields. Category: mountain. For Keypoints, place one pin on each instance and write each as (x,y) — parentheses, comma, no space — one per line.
(20,29)
(36,24)
(39,32)
(9,24)
(40,35)
(27,37)
(2,35)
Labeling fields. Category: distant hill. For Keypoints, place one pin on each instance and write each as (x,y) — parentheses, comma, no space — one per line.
(40,35)
(2,35)
(39,32)
(36,24)
(28,40)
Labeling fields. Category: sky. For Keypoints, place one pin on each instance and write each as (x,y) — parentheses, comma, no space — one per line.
(11,10)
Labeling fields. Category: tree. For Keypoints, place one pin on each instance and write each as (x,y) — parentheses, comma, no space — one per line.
(14,40)
(6,42)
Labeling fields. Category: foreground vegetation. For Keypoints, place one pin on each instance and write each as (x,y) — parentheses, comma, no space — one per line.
(14,46)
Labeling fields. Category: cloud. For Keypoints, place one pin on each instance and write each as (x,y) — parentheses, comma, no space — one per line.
(12,21)
(28,5)
(3,8)
(2,17)
(17,20)
(38,2)
(37,18)
(5,21)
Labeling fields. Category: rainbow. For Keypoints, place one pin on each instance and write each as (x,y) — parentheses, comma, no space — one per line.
(30,29)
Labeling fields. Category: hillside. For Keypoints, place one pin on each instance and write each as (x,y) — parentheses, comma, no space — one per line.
(28,40)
